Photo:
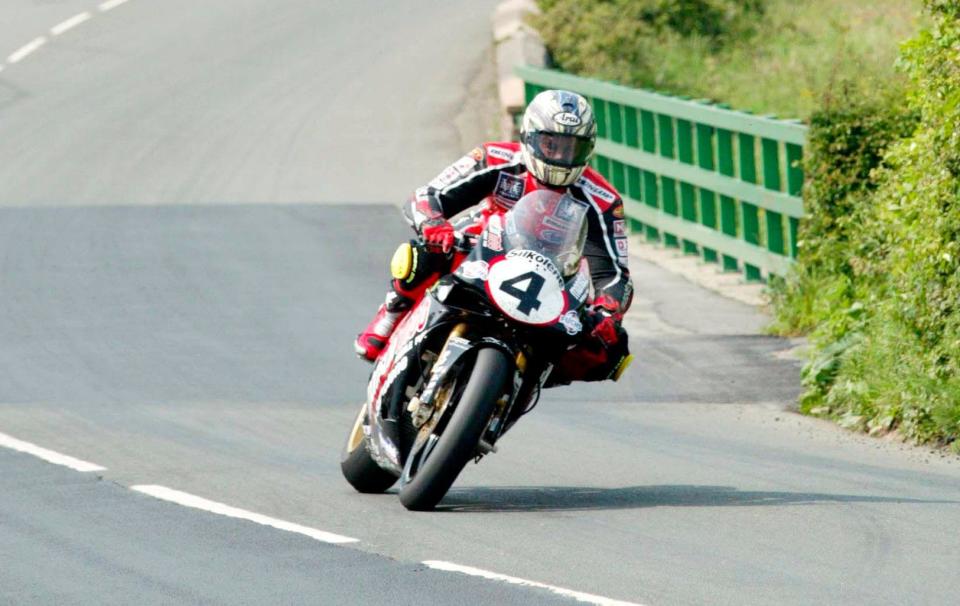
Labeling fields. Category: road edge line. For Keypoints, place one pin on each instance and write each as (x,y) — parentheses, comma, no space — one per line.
(495,576)
(48,455)
(194,502)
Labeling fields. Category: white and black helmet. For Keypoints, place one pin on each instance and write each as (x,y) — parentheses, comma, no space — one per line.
(558,133)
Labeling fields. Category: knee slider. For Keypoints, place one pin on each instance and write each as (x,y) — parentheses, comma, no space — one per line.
(621,367)
(403,265)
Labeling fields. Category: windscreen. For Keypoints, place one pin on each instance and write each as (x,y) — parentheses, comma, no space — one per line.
(550,223)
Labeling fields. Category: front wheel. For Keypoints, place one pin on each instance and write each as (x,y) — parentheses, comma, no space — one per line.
(458,442)
(358,466)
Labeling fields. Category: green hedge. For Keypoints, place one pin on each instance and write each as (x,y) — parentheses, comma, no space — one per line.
(877,285)
(767,56)
(879,275)
(837,249)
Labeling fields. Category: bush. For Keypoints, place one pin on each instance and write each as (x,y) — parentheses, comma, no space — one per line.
(838,248)
(889,355)
(624,40)
(767,56)
(877,285)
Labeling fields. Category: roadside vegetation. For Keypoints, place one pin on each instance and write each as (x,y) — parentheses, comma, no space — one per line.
(785,57)
(877,285)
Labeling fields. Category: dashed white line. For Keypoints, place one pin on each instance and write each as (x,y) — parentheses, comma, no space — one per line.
(21,53)
(109,4)
(47,455)
(493,576)
(189,500)
(192,501)
(70,23)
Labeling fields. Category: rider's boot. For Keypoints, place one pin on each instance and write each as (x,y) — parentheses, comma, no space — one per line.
(414,269)
(374,337)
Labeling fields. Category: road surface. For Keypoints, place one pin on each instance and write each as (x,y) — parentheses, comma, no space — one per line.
(197,205)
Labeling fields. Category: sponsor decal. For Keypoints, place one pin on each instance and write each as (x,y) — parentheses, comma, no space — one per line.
(571,322)
(448,176)
(567,210)
(415,262)
(509,188)
(400,344)
(464,165)
(476,153)
(398,368)
(595,190)
(542,262)
(567,119)
(495,225)
(618,212)
(493,238)
(580,285)
(475,270)
(499,153)
(438,370)
(621,246)
(526,287)
(619,228)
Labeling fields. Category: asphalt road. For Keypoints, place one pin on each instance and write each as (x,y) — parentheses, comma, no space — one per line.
(196,210)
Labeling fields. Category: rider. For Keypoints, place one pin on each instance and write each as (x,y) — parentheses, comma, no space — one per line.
(557,137)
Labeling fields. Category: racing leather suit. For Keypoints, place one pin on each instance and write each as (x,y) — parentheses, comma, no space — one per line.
(494,173)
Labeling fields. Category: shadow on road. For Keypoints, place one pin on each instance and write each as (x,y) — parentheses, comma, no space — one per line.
(566,498)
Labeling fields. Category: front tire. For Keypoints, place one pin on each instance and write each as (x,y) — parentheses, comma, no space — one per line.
(358,466)
(458,443)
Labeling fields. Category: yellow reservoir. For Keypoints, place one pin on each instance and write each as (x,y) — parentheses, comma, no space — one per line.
(401,265)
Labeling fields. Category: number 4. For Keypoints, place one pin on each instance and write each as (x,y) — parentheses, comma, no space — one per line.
(529,295)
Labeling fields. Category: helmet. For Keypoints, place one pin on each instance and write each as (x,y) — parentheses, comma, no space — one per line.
(557,133)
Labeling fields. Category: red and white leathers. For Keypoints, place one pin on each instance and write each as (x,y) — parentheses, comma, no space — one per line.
(493,178)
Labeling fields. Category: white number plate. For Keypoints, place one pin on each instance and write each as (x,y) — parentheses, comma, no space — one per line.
(527,287)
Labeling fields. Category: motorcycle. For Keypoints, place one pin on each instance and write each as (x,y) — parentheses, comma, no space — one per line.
(471,357)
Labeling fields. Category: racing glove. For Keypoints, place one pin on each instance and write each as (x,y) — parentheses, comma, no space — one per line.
(437,234)
(605,317)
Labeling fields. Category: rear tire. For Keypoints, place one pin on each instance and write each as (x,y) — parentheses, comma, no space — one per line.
(458,443)
(358,466)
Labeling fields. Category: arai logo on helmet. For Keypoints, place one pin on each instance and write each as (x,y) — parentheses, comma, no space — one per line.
(567,119)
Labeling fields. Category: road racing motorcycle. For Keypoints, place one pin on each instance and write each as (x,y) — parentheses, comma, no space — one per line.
(472,355)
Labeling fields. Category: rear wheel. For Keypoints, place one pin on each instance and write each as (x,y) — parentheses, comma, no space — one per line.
(458,442)
(358,466)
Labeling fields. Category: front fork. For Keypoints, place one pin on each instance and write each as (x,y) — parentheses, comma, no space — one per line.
(429,407)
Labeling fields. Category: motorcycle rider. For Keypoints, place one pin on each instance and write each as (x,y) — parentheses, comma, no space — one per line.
(557,136)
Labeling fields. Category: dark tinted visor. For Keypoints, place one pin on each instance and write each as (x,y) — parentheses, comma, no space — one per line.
(559,149)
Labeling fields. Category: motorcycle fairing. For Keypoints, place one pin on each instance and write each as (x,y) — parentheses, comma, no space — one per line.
(451,357)
(397,370)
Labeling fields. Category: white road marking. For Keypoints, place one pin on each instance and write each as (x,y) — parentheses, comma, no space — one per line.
(47,455)
(493,576)
(21,53)
(109,4)
(70,23)
(189,500)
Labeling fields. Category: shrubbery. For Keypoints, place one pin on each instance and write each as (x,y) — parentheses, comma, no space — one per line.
(838,251)
(768,56)
(879,278)
(877,285)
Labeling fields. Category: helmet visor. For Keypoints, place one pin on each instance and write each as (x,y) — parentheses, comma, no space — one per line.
(558,149)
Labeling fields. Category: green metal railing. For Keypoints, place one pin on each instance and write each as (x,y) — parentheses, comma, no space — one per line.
(714,182)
